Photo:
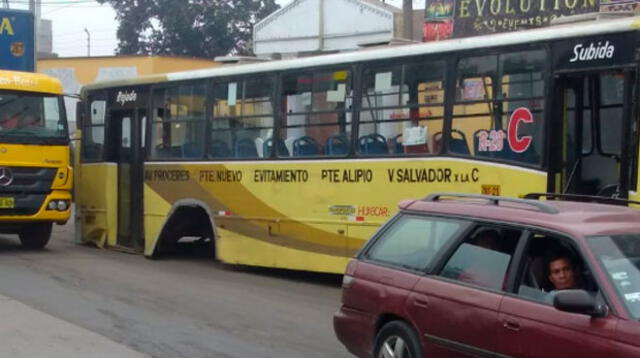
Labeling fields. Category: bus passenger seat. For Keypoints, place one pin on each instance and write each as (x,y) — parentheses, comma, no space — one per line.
(162,151)
(175,151)
(458,145)
(244,148)
(397,144)
(336,145)
(282,148)
(305,146)
(373,144)
(219,149)
(191,150)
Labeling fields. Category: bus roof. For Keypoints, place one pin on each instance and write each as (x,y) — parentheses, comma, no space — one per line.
(599,27)
(29,82)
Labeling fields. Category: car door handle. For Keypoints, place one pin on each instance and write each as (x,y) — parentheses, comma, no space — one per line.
(512,325)
(421,302)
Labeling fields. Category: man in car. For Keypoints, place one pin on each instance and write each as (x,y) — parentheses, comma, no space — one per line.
(562,273)
(488,239)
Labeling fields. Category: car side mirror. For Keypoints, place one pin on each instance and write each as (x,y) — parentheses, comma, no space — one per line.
(578,301)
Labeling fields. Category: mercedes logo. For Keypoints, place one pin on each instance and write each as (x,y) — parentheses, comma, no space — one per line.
(6,176)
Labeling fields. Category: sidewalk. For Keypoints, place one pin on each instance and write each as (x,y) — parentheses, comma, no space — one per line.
(28,333)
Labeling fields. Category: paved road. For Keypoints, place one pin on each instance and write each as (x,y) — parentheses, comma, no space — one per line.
(184,306)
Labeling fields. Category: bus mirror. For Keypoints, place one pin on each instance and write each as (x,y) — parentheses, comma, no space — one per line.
(79,114)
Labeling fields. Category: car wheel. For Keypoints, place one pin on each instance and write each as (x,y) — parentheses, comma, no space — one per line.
(35,236)
(397,340)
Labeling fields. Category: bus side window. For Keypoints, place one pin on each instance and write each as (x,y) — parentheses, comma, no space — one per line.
(499,115)
(317,114)
(242,118)
(178,121)
(93,129)
(402,108)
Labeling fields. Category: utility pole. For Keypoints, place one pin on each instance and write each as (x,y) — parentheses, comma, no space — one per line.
(321,26)
(407,19)
(88,42)
(34,9)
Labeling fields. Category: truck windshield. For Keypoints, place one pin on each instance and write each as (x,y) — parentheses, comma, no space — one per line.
(28,117)
(620,257)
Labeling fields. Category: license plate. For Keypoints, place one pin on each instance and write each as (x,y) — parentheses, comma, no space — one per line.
(7,203)
(491,190)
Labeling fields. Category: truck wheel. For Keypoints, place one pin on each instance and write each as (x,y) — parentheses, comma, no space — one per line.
(36,235)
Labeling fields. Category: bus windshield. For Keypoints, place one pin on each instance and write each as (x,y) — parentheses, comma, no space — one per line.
(28,117)
(620,256)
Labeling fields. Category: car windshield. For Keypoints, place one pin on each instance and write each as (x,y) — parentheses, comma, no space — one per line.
(29,117)
(620,257)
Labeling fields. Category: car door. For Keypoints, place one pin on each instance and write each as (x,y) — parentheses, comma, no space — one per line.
(456,309)
(391,265)
(530,327)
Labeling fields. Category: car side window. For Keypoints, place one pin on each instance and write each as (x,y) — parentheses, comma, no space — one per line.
(483,258)
(552,264)
(412,241)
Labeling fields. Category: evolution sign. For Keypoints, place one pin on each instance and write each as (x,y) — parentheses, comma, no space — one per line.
(478,17)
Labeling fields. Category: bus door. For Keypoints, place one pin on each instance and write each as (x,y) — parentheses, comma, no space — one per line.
(594,128)
(591,126)
(127,128)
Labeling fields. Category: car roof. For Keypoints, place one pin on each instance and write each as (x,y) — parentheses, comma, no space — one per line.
(572,217)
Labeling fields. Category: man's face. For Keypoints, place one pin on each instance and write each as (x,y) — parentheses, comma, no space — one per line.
(561,274)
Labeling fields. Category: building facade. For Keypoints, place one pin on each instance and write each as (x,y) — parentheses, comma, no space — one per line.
(306,27)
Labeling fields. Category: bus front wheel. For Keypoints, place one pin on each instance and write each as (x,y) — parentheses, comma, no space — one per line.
(36,235)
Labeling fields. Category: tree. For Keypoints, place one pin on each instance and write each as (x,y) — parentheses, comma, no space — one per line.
(198,28)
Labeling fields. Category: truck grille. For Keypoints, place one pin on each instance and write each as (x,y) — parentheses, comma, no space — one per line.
(29,180)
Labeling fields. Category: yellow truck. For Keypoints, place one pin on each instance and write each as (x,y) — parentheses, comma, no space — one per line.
(36,177)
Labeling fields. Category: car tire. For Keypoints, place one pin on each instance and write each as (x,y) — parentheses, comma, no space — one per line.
(397,340)
(35,236)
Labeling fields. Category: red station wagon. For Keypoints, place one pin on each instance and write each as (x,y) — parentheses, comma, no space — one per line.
(480,276)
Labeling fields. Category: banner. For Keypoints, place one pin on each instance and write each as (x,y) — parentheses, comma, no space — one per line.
(620,5)
(478,17)
(464,18)
(438,20)
(17,41)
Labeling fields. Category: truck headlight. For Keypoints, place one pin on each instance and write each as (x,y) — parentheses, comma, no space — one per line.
(62,205)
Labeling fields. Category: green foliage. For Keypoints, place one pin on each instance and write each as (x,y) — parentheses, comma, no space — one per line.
(193,28)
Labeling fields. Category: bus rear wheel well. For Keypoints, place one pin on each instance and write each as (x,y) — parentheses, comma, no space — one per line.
(185,221)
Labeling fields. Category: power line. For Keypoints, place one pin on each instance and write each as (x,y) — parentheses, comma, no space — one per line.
(68,6)
(83,44)
(98,30)
(80,35)
(64,2)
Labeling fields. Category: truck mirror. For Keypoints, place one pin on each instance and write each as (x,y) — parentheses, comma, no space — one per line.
(79,114)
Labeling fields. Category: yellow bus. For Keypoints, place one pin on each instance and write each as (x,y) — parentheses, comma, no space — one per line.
(36,177)
(294,163)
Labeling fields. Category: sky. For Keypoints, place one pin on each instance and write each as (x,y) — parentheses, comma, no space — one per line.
(70,18)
